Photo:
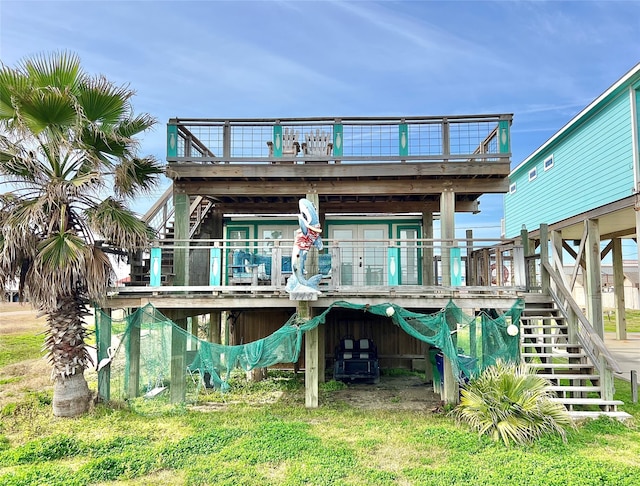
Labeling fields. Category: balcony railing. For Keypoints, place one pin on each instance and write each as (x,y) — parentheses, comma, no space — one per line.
(482,138)
(254,265)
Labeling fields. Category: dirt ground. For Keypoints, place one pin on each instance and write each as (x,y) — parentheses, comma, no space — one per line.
(392,393)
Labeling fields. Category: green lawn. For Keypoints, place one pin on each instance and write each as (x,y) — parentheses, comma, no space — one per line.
(243,439)
(246,442)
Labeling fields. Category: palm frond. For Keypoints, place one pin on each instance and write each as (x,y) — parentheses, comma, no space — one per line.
(103,103)
(509,403)
(59,268)
(118,225)
(59,69)
(135,176)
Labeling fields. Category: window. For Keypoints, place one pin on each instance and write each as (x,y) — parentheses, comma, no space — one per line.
(533,173)
(512,188)
(548,163)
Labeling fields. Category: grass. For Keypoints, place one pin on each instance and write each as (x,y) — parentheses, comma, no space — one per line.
(632,316)
(246,440)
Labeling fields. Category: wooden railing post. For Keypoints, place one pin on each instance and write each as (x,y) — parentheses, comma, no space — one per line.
(545,279)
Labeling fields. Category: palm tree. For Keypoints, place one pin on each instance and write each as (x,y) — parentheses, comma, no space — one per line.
(68,153)
(508,402)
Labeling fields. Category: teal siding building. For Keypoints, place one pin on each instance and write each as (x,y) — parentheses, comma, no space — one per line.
(588,169)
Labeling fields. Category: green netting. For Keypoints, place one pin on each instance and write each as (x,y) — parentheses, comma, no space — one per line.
(148,351)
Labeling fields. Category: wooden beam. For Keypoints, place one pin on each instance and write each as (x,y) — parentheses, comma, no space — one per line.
(339,206)
(340,187)
(186,170)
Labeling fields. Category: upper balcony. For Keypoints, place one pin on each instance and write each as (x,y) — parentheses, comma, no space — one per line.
(404,162)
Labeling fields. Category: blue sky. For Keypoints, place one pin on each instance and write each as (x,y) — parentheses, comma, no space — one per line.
(541,61)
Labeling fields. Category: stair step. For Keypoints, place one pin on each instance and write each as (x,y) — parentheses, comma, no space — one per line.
(560,365)
(560,354)
(539,335)
(542,344)
(529,317)
(571,388)
(581,415)
(587,401)
(543,326)
(568,376)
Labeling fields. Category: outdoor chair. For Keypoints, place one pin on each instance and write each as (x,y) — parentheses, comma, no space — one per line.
(290,145)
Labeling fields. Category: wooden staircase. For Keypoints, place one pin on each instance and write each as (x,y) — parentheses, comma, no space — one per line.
(549,347)
(161,218)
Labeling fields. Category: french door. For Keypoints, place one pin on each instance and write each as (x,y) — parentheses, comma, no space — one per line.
(363,253)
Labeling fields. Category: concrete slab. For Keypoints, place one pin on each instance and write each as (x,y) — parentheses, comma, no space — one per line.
(626,352)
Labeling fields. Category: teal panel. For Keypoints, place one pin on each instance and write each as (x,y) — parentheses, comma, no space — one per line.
(215,266)
(155,267)
(503,137)
(338,139)
(393,259)
(172,140)
(277,140)
(403,139)
(601,144)
(456,267)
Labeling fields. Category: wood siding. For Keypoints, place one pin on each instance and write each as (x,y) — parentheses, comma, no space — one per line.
(396,349)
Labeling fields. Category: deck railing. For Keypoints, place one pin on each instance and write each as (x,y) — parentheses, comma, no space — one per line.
(482,138)
(265,264)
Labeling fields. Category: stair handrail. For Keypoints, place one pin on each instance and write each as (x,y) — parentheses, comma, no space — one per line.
(159,215)
(589,339)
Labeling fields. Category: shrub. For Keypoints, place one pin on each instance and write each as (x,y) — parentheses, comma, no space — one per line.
(509,403)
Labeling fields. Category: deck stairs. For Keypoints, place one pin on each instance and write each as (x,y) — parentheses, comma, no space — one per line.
(161,217)
(551,349)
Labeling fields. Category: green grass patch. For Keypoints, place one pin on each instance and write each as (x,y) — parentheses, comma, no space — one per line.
(632,316)
(20,347)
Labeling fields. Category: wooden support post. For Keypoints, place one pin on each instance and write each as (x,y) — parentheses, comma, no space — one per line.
(451,392)
(427,249)
(618,289)
(544,258)
(634,386)
(214,333)
(133,357)
(181,251)
(447,231)
(310,358)
(322,360)
(103,327)
(178,362)
(469,273)
(594,277)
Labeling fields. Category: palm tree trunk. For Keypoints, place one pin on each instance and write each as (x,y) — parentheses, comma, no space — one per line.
(69,356)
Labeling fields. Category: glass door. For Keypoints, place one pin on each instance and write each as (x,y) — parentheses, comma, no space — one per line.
(363,253)
(409,255)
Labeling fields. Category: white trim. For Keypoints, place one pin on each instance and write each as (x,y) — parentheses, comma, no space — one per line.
(635,70)
(634,99)
(533,174)
(548,163)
